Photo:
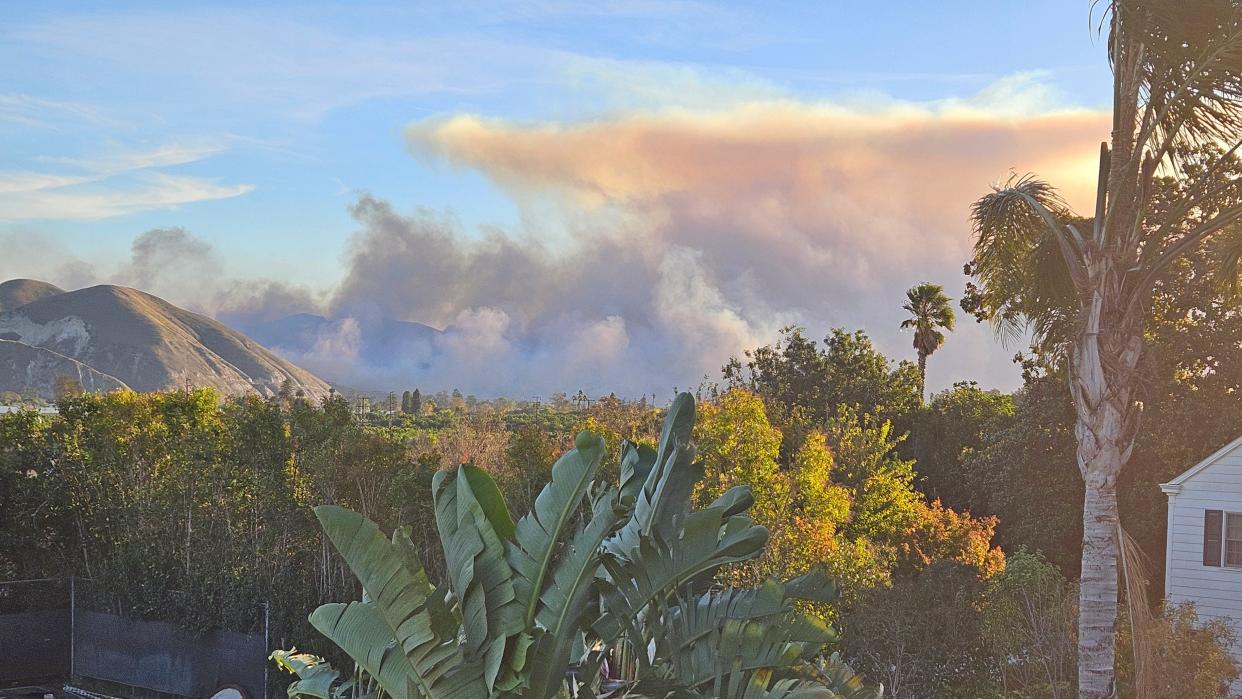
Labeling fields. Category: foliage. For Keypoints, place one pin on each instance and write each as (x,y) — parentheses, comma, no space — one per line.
(930,312)
(851,506)
(922,636)
(797,374)
(1024,474)
(801,506)
(948,433)
(516,612)
(1029,613)
(1193,656)
(186,508)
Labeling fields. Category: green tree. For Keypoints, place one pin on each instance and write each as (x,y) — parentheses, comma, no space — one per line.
(948,433)
(405,402)
(796,374)
(1177,85)
(528,462)
(1023,474)
(930,313)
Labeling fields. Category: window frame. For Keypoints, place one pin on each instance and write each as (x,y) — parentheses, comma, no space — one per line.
(1224,540)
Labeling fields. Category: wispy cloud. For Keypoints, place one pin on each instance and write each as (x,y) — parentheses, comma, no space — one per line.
(297,66)
(111,183)
(164,155)
(17,182)
(97,200)
(40,113)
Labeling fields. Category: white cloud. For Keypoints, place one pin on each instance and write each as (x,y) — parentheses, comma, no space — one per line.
(115,183)
(120,161)
(16,182)
(95,201)
(41,113)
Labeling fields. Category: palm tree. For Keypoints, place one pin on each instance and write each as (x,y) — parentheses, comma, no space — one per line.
(929,312)
(1083,286)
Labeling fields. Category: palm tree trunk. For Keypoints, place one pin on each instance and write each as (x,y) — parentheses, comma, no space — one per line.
(1097,596)
(922,375)
(1102,365)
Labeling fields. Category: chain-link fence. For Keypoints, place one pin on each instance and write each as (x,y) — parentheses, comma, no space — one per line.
(36,630)
(55,629)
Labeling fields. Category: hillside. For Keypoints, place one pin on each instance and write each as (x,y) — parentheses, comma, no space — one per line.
(37,368)
(16,293)
(141,341)
(380,339)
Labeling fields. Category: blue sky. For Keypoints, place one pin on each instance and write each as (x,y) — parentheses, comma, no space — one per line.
(256,126)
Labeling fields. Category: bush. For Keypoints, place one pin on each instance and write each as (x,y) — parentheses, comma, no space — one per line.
(923,636)
(1189,657)
(1029,618)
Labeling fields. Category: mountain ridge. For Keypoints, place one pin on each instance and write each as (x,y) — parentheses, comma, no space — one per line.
(16,293)
(141,341)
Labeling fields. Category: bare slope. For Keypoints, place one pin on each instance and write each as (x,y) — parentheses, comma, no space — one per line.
(150,344)
(16,293)
(23,367)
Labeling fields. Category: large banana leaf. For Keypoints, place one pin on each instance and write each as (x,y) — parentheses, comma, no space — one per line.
(479,573)
(847,684)
(539,534)
(667,562)
(358,628)
(565,601)
(402,602)
(731,639)
(637,460)
(668,478)
(316,678)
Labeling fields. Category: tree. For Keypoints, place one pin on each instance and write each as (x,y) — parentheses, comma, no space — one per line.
(930,312)
(416,402)
(1177,86)
(405,403)
(1029,611)
(797,373)
(948,432)
(65,385)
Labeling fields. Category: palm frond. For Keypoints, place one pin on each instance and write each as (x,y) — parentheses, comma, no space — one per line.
(1023,259)
(1185,60)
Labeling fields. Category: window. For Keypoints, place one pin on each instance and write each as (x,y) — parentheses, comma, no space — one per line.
(1233,539)
(1222,538)
(1212,521)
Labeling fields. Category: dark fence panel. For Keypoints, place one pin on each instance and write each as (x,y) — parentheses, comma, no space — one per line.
(159,656)
(34,645)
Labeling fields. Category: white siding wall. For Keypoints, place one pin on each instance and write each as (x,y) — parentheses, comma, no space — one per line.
(1216,592)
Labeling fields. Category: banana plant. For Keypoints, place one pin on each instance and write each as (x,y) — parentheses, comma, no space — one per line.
(592,572)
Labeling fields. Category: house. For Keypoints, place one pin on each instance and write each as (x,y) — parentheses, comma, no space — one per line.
(1203,555)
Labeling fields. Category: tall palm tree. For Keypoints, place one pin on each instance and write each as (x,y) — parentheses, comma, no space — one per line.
(1177,94)
(929,312)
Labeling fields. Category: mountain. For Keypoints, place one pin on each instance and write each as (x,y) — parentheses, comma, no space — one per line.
(137,340)
(16,293)
(35,368)
(379,340)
